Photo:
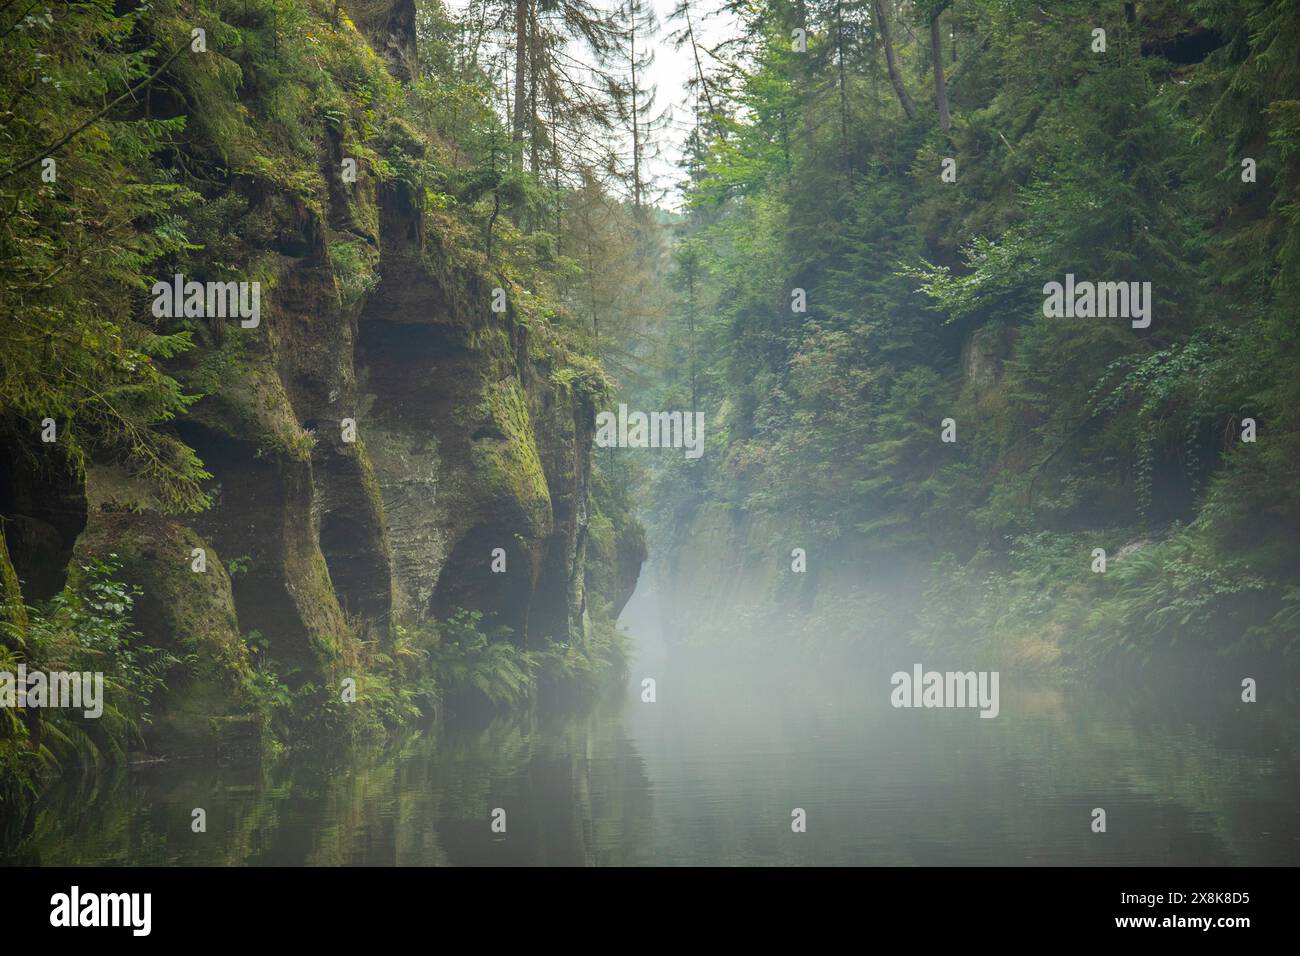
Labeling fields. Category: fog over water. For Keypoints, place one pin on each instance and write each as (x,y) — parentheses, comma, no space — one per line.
(711,772)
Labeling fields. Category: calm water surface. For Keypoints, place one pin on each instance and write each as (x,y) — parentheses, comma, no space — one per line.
(709,774)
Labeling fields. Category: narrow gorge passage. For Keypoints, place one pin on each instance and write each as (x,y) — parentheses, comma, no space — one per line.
(674,433)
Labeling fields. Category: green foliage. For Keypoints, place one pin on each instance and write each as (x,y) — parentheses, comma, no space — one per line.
(85,628)
(1176,595)
(466,666)
(586,666)
(924,302)
(75,253)
(225,165)
(477,668)
(354,270)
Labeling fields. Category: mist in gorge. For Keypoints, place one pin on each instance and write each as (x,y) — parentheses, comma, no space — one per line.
(739,757)
(631,432)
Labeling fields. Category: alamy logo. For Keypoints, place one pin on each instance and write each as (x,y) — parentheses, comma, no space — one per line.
(1101,300)
(949,689)
(103,909)
(55,689)
(212,300)
(656,430)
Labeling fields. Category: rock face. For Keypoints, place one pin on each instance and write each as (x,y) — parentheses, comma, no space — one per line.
(208,702)
(371,443)
(983,354)
(389,25)
(42,510)
(472,448)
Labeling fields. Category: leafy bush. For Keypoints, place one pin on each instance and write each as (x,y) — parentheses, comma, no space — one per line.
(85,628)
(474,668)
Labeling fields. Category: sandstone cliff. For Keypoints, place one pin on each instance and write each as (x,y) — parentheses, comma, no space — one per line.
(371,442)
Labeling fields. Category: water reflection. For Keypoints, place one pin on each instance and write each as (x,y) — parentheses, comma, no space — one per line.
(574,792)
(709,774)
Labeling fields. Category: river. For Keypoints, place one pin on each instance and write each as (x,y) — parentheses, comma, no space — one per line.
(712,772)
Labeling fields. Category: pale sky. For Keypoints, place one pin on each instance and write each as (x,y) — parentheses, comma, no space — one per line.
(669,74)
(672,69)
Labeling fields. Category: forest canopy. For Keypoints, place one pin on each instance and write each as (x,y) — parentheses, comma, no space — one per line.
(879,195)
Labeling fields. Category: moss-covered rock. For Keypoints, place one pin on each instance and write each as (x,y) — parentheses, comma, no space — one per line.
(615,553)
(468,430)
(208,702)
(506,462)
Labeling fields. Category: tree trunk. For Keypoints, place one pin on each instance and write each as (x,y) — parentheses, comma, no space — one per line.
(636,120)
(690,326)
(521,81)
(844,91)
(904,100)
(536,59)
(699,70)
(940,91)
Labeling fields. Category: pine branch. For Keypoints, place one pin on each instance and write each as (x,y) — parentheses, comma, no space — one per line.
(56,146)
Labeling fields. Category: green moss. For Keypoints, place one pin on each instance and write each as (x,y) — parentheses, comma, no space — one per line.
(370,481)
(189,613)
(489,339)
(245,400)
(601,538)
(11,593)
(583,377)
(270,107)
(509,465)
(328,631)
(354,265)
